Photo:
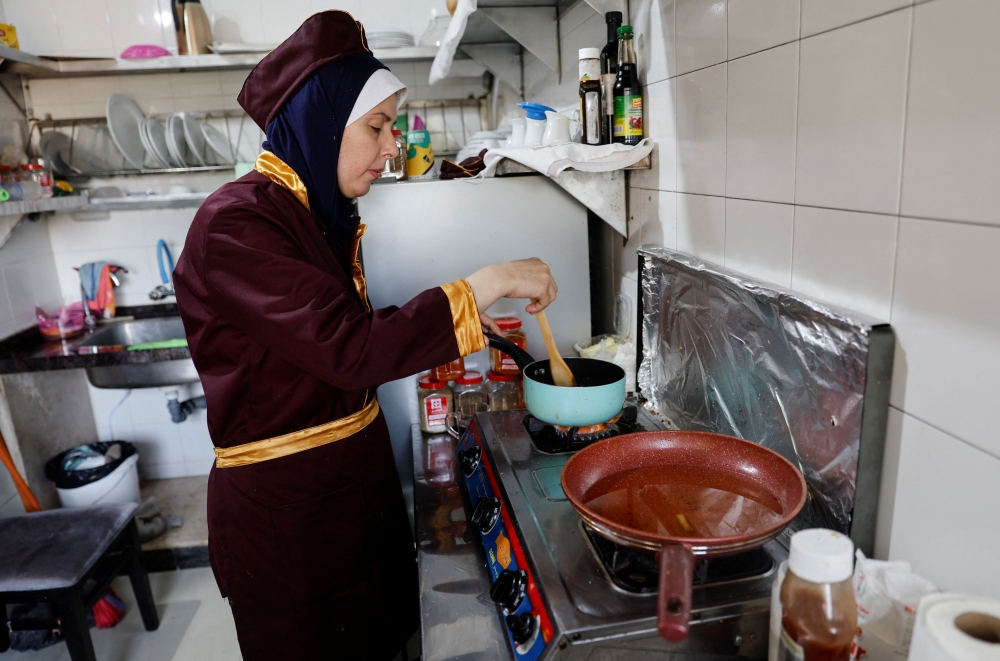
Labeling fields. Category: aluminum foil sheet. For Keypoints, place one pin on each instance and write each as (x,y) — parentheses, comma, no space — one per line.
(727,354)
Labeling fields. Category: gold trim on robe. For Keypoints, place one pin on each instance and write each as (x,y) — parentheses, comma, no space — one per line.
(280,173)
(298,441)
(358,273)
(465,316)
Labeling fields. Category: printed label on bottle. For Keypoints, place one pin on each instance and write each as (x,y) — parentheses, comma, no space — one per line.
(436,408)
(508,364)
(628,116)
(591,111)
(788,649)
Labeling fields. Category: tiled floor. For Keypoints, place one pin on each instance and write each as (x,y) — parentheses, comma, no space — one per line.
(184,497)
(195,624)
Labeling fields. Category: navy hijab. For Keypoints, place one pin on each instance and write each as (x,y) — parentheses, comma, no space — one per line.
(307,133)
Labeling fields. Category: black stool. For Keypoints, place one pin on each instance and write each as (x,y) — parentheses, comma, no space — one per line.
(68,557)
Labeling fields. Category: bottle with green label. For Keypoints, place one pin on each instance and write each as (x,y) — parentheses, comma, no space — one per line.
(627,92)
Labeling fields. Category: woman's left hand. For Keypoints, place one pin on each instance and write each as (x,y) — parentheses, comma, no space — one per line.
(489,326)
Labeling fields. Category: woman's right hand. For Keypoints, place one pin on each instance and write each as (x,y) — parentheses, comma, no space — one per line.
(524,278)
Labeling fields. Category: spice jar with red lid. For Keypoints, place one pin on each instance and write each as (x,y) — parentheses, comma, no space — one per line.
(510,328)
(505,394)
(38,173)
(449,371)
(471,396)
(435,400)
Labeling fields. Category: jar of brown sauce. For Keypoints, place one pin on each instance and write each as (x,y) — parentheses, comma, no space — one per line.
(510,328)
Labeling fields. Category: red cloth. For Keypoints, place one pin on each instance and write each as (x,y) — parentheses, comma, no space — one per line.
(314,549)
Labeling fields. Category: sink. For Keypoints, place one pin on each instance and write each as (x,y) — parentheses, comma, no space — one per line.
(140,375)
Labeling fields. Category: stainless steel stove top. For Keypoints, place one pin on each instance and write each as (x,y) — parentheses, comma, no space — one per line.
(591,599)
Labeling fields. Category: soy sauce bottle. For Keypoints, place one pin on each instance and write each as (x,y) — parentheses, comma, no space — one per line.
(609,71)
(627,92)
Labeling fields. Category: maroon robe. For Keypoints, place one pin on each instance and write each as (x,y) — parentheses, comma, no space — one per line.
(314,549)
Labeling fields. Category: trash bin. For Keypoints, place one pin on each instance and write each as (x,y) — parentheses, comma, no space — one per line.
(114,482)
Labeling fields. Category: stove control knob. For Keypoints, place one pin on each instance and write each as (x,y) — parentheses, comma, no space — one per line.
(522,627)
(469,459)
(509,588)
(486,514)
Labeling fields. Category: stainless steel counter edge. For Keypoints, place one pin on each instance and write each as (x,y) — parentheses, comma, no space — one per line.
(457,617)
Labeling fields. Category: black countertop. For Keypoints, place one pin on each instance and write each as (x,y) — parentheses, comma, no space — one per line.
(28,351)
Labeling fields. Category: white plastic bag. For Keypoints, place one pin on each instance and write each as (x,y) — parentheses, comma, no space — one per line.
(887,594)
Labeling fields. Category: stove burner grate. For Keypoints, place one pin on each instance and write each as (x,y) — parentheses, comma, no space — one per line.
(556,439)
(635,571)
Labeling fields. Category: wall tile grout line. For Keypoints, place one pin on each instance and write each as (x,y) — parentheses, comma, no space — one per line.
(902,159)
(944,431)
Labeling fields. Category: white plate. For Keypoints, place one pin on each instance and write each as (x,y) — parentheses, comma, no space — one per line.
(216,139)
(124,117)
(56,148)
(158,139)
(151,160)
(176,143)
(195,139)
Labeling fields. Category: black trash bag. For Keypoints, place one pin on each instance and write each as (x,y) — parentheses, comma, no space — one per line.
(37,639)
(72,479)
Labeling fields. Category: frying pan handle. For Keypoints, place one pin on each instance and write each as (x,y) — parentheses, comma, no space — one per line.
(520,356)
(674,600)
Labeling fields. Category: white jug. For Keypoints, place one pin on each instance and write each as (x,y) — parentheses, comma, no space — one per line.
(516,139)
(556,129)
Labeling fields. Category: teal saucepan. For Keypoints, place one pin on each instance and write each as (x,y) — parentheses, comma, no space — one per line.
(598,396)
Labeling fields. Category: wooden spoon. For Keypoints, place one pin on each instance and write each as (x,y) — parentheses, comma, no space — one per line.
(561,374)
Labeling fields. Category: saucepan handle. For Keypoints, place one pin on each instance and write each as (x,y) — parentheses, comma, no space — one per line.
(674,600)
(520,356)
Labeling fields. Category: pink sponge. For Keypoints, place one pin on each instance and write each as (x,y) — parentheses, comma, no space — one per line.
(143,51)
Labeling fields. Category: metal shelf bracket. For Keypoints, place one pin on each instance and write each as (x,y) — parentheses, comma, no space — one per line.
(535,28)
(502,60)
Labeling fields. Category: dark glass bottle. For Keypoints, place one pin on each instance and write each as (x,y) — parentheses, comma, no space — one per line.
(609,68)
(627,92)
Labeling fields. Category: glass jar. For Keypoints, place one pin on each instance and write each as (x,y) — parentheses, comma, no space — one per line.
(37,173)
(470,393)
(435,400)
(8,174)
(818,610)
(510,328)
(449,371)
(505,395)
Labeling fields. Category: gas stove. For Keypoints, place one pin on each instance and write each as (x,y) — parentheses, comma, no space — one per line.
(562,591)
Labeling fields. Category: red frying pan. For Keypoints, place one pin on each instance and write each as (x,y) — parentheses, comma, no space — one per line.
(683,494)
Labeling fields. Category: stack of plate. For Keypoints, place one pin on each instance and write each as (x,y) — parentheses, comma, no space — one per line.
(389,39)
(124,118)
(480,141)
(154,139)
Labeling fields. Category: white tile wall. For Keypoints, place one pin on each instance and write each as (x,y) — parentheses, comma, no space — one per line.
(701,131)
(946,512)
(758,24)
(852,92)
(845,258)
(880,149)
(700,28)
(952,151)
(758,238)
(760,125)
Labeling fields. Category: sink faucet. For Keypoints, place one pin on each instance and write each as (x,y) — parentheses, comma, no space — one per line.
(166,272)
(161,291)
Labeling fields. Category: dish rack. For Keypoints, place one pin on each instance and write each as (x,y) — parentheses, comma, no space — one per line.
(451,122)
(94,153)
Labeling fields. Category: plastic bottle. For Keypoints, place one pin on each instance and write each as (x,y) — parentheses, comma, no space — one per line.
(627,93)
(22,190)
(818,613)
(38,173)
(609,71)
(590,95)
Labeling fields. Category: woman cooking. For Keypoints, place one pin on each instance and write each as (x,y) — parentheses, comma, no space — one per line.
(308,533)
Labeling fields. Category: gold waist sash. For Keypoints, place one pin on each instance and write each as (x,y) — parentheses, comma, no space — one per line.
(297,441)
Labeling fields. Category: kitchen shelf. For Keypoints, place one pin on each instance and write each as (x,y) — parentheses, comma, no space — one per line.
(604,193)
(508,167)
(21,207)
(134,202)
(15,61)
